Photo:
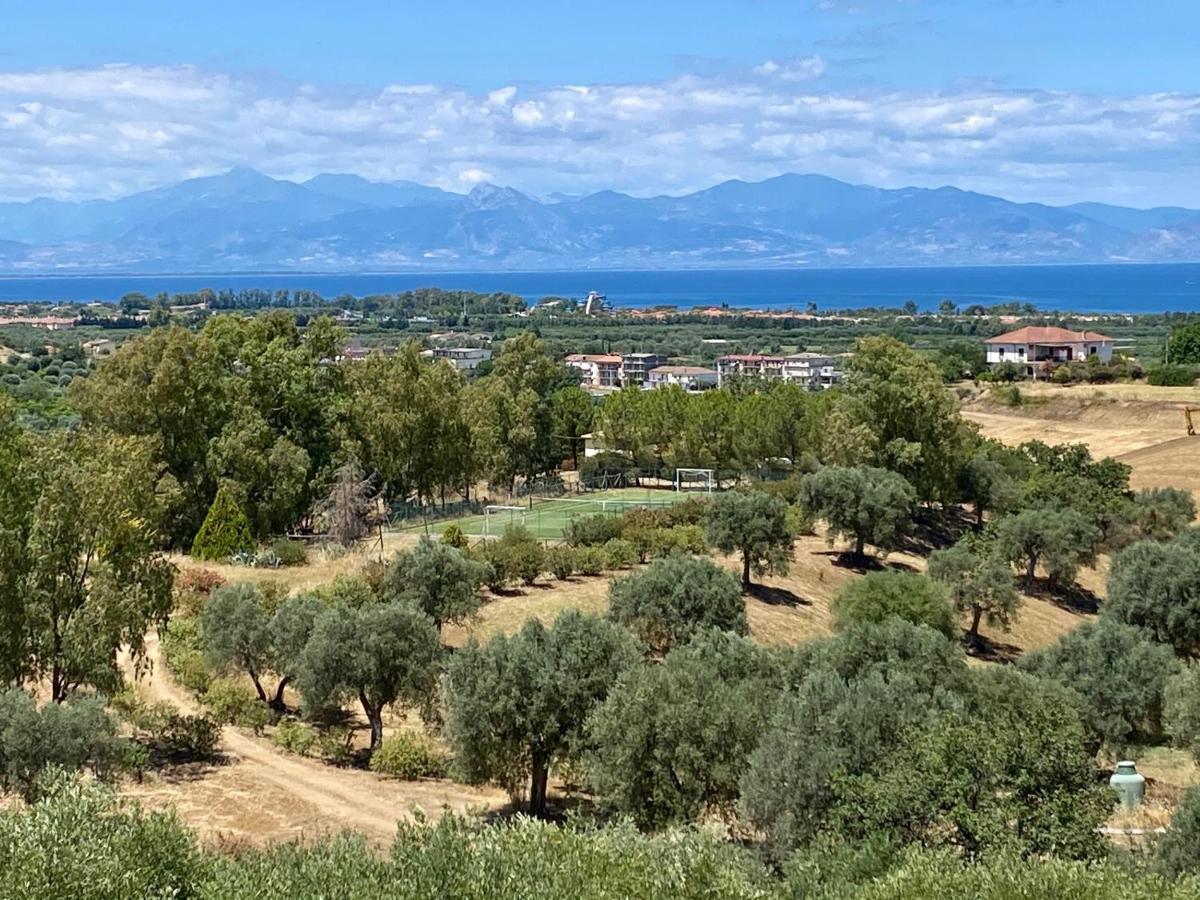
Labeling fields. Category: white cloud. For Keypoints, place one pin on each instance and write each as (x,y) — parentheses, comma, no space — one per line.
(77,133)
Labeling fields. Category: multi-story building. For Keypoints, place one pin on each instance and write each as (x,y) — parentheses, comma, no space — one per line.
(465,359)
(596,370)
(815,370)
(749,365)
(690,378)
(635,367)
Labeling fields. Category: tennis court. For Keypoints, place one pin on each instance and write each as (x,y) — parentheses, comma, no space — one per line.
(547,518)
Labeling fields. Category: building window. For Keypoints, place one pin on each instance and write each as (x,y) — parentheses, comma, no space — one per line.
(1091,351)
(1020,351)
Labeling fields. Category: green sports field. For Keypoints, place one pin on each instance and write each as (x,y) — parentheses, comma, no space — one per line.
(548,518)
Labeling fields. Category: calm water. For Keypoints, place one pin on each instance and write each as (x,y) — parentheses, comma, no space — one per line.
(1118,288)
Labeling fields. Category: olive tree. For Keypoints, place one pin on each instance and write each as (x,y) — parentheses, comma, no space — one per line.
(674,597)
(1059,540)
(1118,675)
(980,584)
(672,740)
(1157,587)
(518,704)
(884,595)
(438,578)
(754,524)
(865,504)
(380,653)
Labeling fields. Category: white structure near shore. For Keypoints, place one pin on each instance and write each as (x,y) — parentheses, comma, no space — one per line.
(1040,348)
(690,378)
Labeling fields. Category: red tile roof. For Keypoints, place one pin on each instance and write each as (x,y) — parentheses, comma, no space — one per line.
(1033,334)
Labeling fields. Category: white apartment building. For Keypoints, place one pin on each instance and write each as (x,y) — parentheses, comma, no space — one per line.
(690,378)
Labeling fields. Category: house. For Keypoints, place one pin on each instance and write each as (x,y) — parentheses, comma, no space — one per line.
(690,378)
(100,347)
(596,370)
(815,370)
(1038,349)
(465,359)
(635,367)
(748,365)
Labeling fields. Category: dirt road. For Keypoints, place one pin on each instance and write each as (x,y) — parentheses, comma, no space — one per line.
(261,794)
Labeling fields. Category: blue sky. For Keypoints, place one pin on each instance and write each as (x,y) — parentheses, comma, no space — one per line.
(1053,101)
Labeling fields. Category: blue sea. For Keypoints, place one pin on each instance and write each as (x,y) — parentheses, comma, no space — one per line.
(1099,288)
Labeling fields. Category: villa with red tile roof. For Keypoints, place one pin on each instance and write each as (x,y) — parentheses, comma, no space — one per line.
(1039,349)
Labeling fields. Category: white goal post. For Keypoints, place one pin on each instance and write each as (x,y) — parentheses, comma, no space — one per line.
(694,479)
(511,519)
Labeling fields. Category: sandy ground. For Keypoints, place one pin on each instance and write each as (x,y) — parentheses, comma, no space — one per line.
(258,794)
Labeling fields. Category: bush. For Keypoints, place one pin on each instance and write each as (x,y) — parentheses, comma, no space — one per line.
(1181,710)
(176,735)
(192,589)
(884,595)
(183,653)
(1063,375)
(408,756)
(1178,851)
(225,532)
(335,745)
(294,737)
(70,735)
(455,537)
(1171,376)
(231,702)
(289,553)
(590,531)
(526,558)
(590,560)
(682,538)
(561,562)
(620,554)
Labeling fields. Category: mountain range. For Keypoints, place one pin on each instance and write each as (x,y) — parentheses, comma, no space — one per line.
(243,221)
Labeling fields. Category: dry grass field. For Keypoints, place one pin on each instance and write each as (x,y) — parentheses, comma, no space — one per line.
(1135,423)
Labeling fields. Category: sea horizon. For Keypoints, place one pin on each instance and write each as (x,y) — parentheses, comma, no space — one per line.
(1112,288)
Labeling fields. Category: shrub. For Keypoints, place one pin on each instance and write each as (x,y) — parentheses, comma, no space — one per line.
(684,538)
(408,756)
(289,553)
(690,511)
(176,735)
(620,554)
(294,737)
(590,560)
(526,557)
(1063,375)
(455,537)
(335,745)
(590,531)
(1181,710)
(884,595)
(561,562)
(193,587)
(183,653)
(1171,376)
(231,702)
(225,531)
(1178,851)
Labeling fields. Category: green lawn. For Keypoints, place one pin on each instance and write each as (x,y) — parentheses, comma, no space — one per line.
(547,519)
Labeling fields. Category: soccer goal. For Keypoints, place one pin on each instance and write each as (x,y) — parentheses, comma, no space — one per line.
(694,480)
(500,517)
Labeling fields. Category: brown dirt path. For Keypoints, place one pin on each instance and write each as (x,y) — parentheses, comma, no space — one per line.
(262,795)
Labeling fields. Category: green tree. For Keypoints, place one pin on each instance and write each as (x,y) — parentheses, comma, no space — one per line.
(225,530)
(518,704)
(1010,773)
(92,578)
(867,505)
(1157,587)
(673,598)
(898,394)
(572,412)
(855,694)
(884,595)
(381,653)
(1183,347)
(1118,675)
(980,584)
(992,478)
(672,740)
(1177,852)
(1159,514)
(290,628)
(753,524)
(438,579)
(1181,709)
(235,629)
(1060,540)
